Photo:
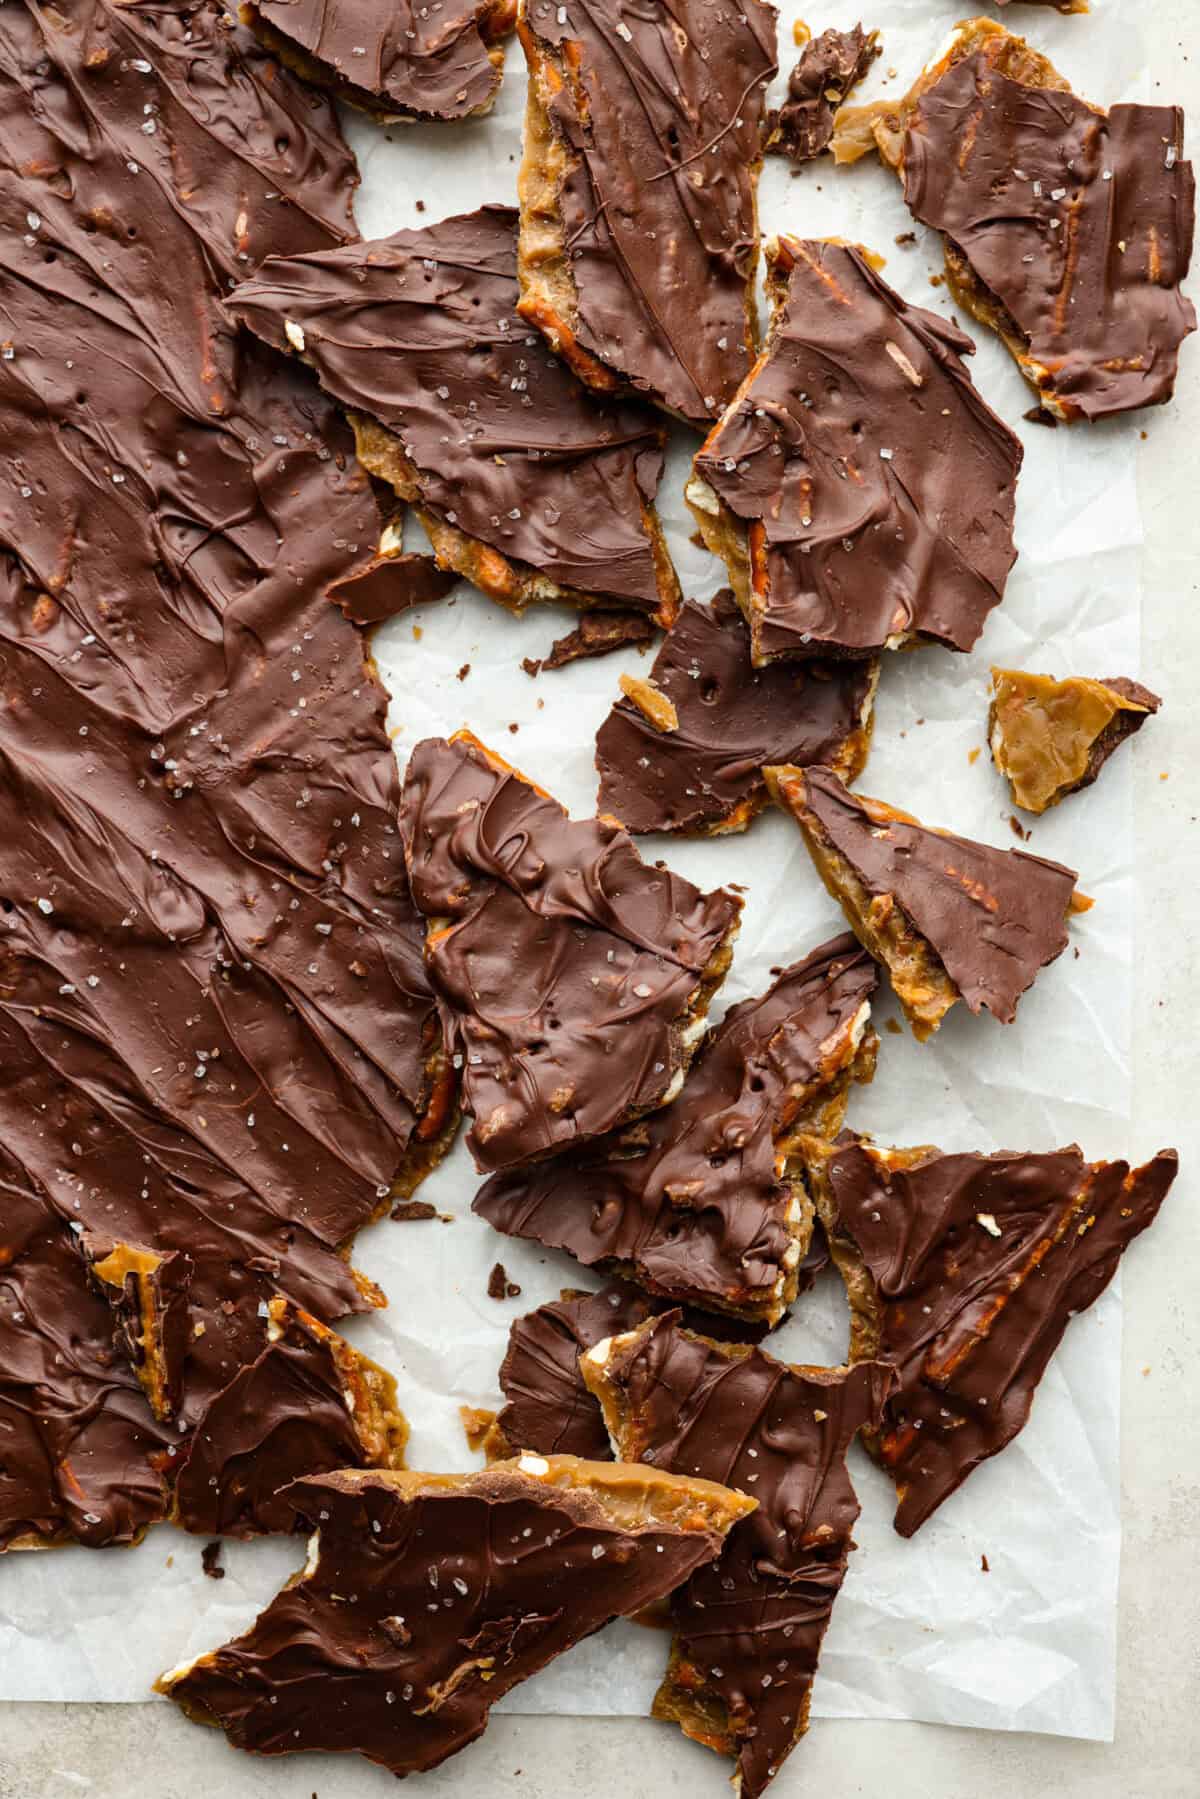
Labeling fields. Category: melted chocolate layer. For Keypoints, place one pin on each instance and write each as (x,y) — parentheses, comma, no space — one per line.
(831,66)
(964,1271)
(573,978)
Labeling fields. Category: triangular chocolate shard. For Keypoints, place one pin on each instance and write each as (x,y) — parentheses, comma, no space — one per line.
(1049,738)
(748,1631)
(426,1597)
(963,1272)
(948,917)
(703,1202)
(573,977)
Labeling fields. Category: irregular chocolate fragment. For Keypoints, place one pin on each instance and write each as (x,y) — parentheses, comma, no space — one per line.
(210,1560)
(526,484)
(1050,738)
(830,67)
(859,489)
(963,1271)
(597,633)
(499,1286)
(409,1210)
(426,1597)
(704,1202)
(401,60)
(731,718)
(1067,229)
(644,134)
(390,585)
(949,918)
(748,1631)
(573,978)
(308,1403)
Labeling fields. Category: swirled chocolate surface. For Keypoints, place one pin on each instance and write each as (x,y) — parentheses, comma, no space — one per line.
(874,483)
(829,69)
(748,1631)
(697,1202)
(706,774)
(657,125)
(964,1272)
(420,332)
(427,1597)
(572,977)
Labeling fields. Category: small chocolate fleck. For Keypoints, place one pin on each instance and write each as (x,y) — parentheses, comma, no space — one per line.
(210,1560)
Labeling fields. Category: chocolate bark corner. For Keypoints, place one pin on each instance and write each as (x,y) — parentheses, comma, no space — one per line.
(1051,738)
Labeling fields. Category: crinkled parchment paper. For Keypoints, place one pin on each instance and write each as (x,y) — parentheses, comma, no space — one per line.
(920,1630)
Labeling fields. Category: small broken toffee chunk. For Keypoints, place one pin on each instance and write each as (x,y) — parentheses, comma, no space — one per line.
(402,60)
(644,137)
(949,918)
(731,718)
(1050,738)
(747,1632)
(148,1294)
(426,1597)
(526,484)
(963,1272)
(859,489)
(1067,229)
(574,979)
(830,67)
(595,635)
(704,1202)
(307,1404)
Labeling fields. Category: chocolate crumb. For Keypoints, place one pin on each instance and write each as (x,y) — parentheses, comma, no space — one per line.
(1038,416)
(906,237)
(414,1208)
(420,208)
(464,671)
(514,728)
(499,1286)
(210,1560)
(983,1563)
(1018,830)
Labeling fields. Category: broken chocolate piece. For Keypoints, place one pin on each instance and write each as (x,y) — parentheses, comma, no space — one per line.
(574,979)
(410,1210)
(499,1286)
(950,918)
(426,1597)
(210,1560)
(859,489)
(596,634)
(830,68)
(963,1271)
(1050,738)
(639,237)
(398,61)
(747,1632)
(1067,229)
(390,585)
(731,718)
(703,1202)
(526,484)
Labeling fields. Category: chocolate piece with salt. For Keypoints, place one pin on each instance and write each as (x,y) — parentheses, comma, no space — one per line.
(830,67)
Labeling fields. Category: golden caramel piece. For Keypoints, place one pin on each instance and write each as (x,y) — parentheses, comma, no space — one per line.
(653,705)
(1050,738)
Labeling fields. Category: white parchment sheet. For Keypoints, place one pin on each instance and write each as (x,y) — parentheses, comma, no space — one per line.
(921,1631)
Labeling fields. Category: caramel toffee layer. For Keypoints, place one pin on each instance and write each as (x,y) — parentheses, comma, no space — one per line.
(747,1632)
(573,977)
(699,1202)
(830,67)
(403,60)
(217,1039)
(963,1272)
(427,1597)
(499,442)
(860,489)
(639,239)
(703,773)
(986,921)
(1050,738)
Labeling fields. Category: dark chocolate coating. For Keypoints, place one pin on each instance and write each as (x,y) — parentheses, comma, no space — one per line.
(748,1631)
(1124,724)
(422,1612)
(689,1201)
(666,120)
(833,63)
(970,1318)
(733,719)
(995,918)
(419,331)
(877,485)
(569,967)
(390,585)
(1079,223)
(596,634)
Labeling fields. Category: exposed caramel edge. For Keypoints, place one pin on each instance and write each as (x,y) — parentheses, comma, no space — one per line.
(132,1261)
(1044,734)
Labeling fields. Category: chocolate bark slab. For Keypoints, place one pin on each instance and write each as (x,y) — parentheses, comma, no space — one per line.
(830,67)
(526,484)
(747,1633)
(1067,229)
(704,1201)
(949,918)
(703,774)
(963,1272)
(426,1597)
(400,61)
(859,489)
(573,978)
(644,134)
(1049,738)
